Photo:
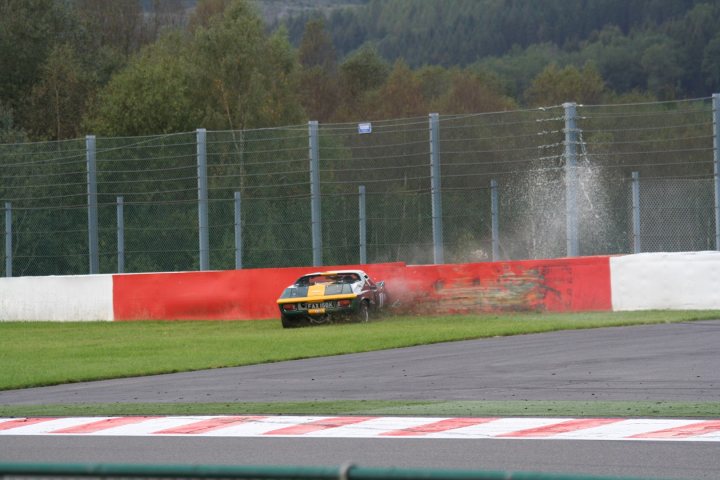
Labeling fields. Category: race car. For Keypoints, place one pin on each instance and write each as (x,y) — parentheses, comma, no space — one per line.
(323,297)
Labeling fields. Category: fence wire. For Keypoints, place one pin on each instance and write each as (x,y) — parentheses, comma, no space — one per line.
(259,191)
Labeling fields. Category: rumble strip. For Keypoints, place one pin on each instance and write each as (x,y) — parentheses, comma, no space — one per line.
(372,427)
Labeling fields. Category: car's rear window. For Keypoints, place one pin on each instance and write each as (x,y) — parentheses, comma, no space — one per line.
(334,287)
(338,288)
(327,279)
(294,292)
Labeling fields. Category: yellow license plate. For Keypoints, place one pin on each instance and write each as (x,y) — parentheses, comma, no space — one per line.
(316,311)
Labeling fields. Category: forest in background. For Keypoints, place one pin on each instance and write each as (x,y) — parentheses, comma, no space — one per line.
(670,49)
(135,73)
(138,67)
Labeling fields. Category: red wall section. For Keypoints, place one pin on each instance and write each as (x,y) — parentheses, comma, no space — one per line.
(560,285)
(221,295)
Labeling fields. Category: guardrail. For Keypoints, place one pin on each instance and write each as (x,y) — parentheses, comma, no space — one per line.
(342,472)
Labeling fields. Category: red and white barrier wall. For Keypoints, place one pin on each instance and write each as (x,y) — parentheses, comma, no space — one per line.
(631,282)
(65,298)
(666,281)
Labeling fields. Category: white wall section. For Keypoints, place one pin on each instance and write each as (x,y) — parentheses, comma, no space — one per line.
(61,298)
(666,281)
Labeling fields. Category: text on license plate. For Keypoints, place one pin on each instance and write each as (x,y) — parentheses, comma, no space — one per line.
(320,305)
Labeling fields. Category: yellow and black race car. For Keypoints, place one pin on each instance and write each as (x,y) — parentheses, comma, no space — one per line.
(322,297)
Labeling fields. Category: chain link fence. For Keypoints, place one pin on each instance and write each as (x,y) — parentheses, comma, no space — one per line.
(670,147)
(676,215)
(392,162)
(512,185)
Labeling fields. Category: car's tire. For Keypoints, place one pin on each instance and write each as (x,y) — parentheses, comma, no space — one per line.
(363,313)
(290,322)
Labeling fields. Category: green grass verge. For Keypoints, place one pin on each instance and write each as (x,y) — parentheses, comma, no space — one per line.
(48,353)
(382,407)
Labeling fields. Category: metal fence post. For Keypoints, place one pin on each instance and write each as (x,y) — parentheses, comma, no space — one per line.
(238,232)
(435,192)
(494,221)
(636,211)
(716,164)
(8,239)
(120,235)
(203,226)
(362,227)
(316,218)
(571,211)
(93,242)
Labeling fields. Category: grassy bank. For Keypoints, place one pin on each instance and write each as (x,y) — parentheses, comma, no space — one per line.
(383,407)
(46,353)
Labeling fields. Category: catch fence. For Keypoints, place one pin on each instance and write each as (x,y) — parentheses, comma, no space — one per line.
(551,182)
(348,471)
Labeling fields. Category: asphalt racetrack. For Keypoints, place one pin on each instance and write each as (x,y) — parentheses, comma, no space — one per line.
(672,362)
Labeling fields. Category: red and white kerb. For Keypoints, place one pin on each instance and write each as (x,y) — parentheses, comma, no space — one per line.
(372,427)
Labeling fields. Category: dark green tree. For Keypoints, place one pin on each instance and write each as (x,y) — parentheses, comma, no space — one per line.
(662,61)
(8,132)
(151,95)
(244,78)
(316,48)
(691,35)
(361,73)
(58,98)
(118,24)
(318,83)
(711,64)
(229,75)
(29,29)
(617,57)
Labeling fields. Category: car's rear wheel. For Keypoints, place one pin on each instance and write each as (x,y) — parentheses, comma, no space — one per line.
(288,322)
(363,312)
